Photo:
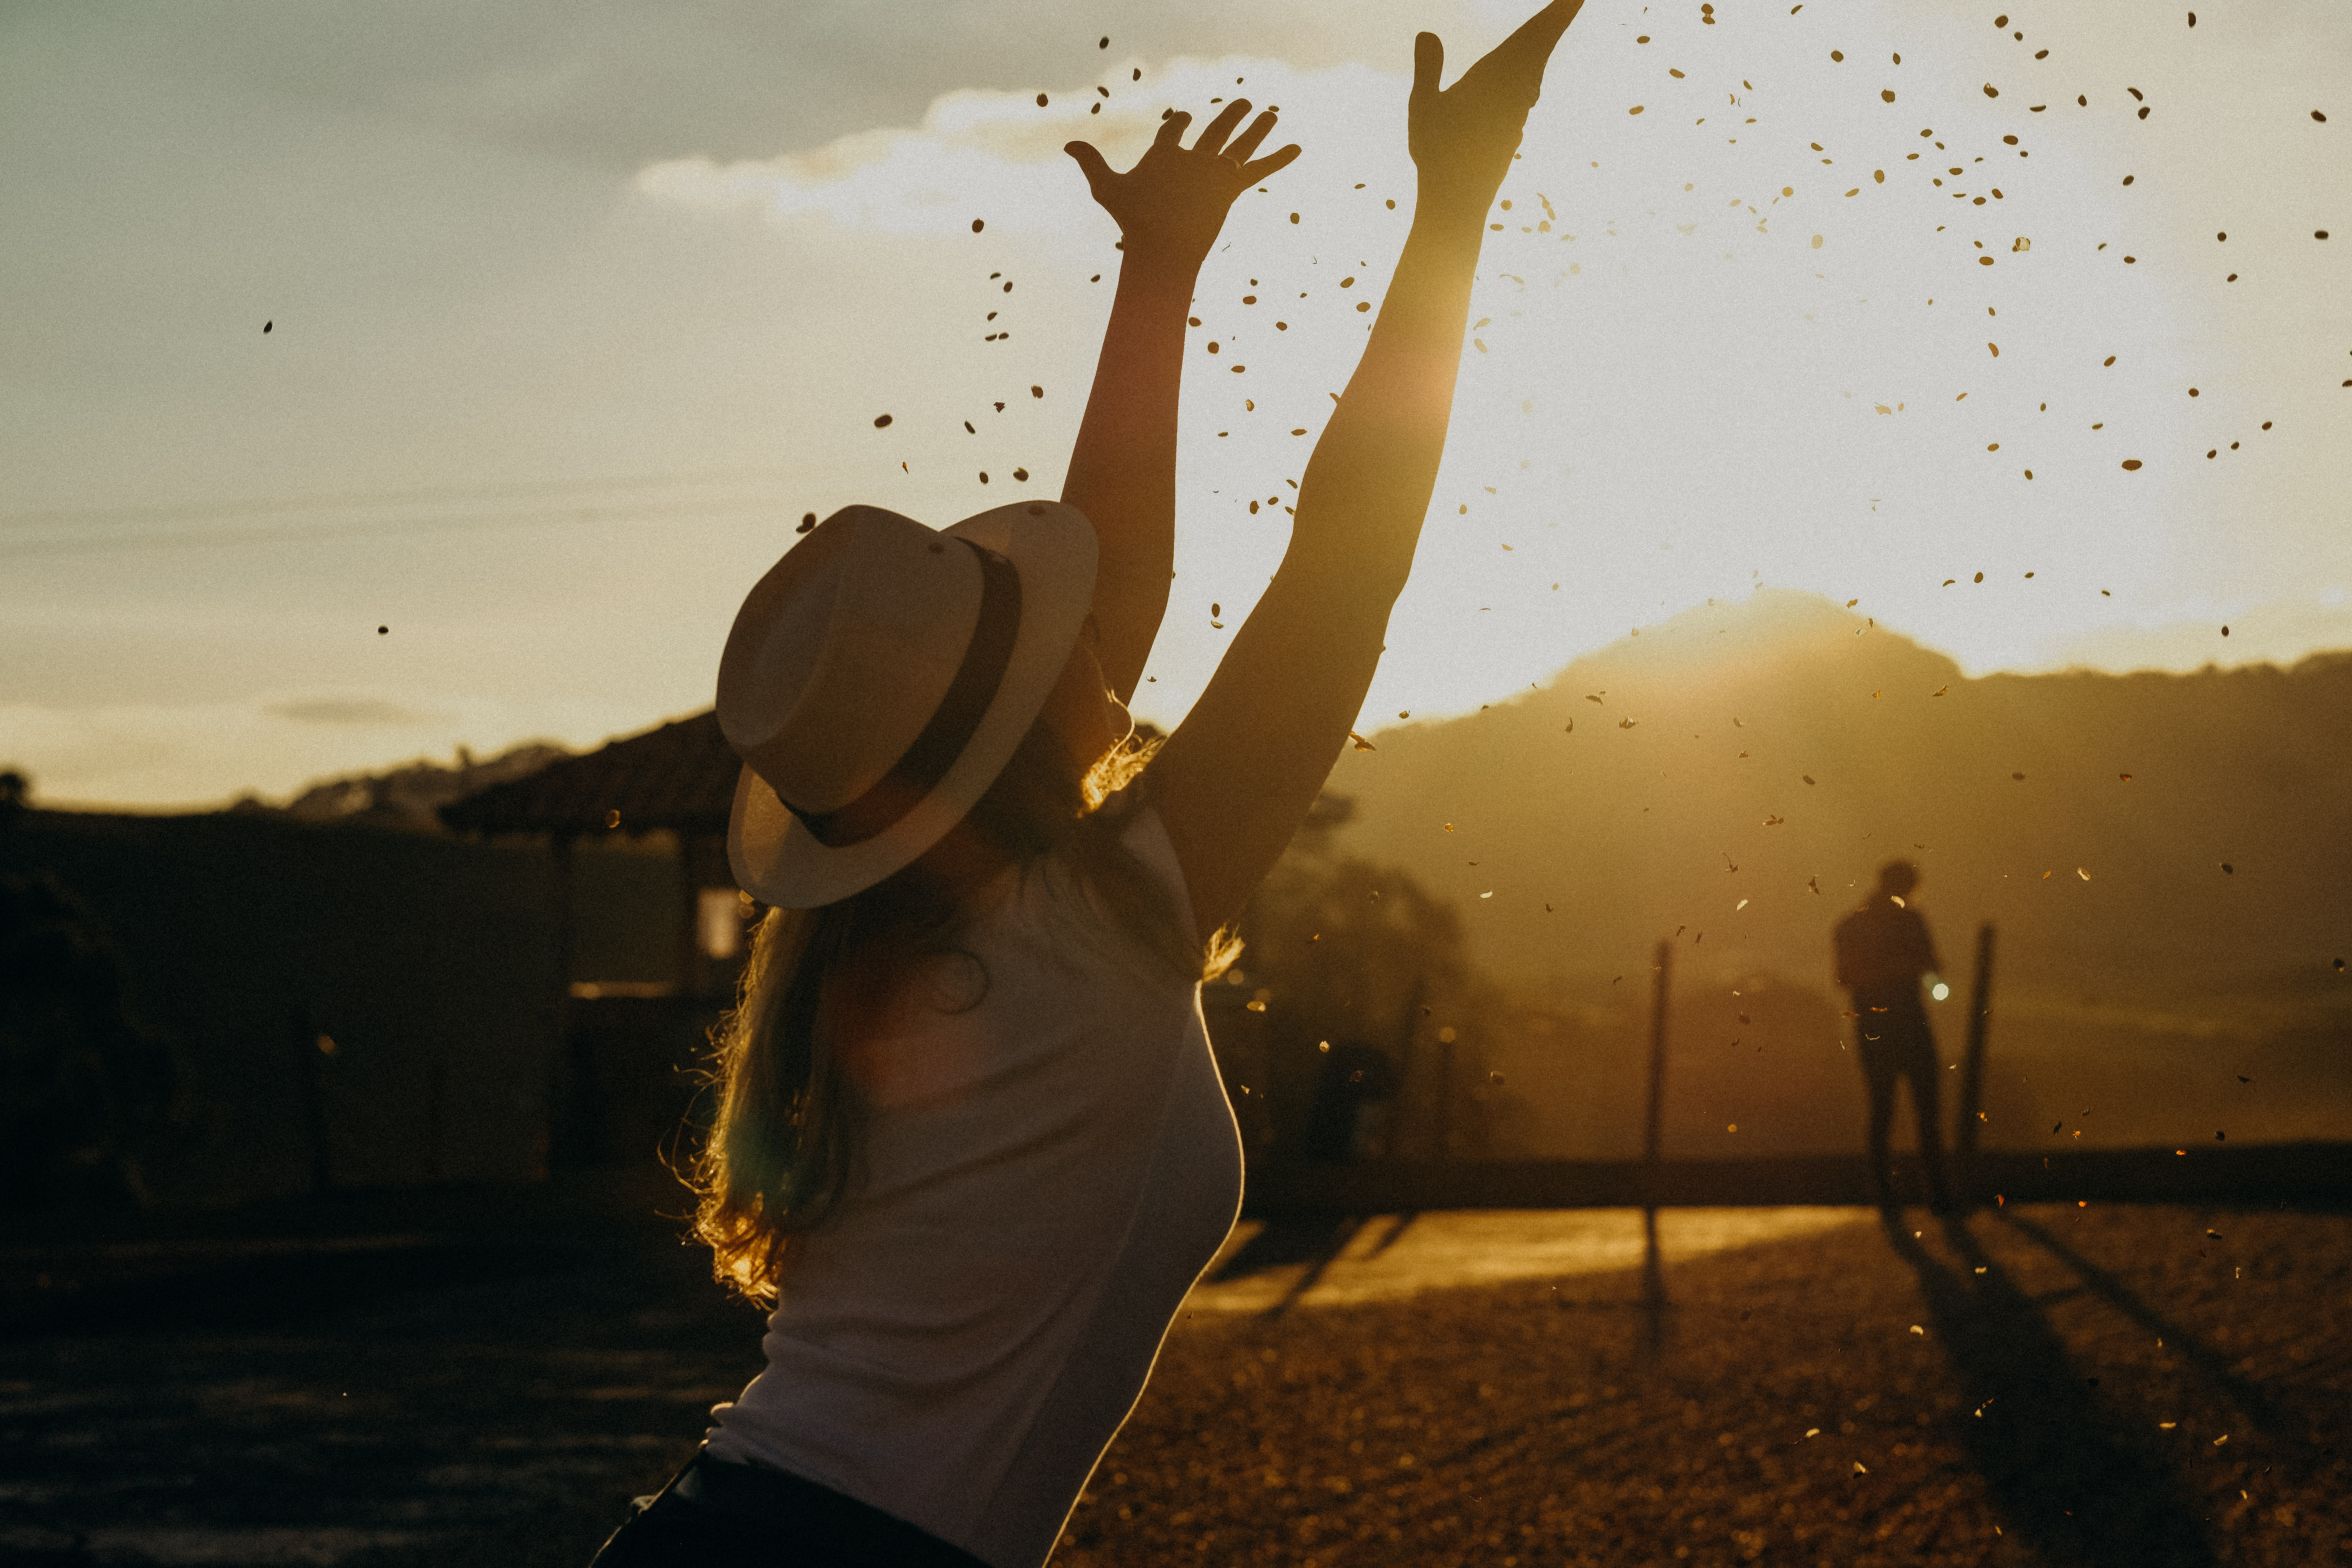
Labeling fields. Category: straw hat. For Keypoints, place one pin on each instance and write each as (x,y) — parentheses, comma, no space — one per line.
(877,680)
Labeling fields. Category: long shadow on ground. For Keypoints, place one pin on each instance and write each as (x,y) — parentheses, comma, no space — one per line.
(2066,1481)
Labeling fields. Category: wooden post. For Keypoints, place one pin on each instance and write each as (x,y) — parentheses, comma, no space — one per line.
(1654,1276)
(1650,1132)
(1964,1141)
(1445,1094)
(311,1090)
(1408,1031)
(562,1141)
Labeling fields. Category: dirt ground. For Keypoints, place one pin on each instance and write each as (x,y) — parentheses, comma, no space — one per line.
(2102,1385)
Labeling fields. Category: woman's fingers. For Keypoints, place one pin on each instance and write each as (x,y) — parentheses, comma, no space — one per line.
(1541,32)
(1244,146)
(1253,173)
(1098,172)
(1213,139)
(1428,62)
(1521,58)
(1172,129)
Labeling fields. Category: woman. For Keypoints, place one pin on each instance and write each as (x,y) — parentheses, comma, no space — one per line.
(971,1143)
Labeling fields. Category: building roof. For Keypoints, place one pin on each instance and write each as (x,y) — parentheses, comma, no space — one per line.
(680,776)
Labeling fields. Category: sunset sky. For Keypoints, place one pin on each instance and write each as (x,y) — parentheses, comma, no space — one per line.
(575,311)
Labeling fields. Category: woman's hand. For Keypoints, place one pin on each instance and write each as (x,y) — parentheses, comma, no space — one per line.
(1462,138)
(1173,201)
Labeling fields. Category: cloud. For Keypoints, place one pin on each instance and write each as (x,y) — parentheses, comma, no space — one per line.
(351,710)
(997,156)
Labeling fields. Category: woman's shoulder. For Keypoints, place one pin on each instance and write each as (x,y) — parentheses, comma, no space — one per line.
(1114,885)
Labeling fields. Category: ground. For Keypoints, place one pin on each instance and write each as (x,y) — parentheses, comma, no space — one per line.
(2107,1384)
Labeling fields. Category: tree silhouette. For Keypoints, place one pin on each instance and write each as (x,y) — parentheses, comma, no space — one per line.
(1354,952)
(85,1087)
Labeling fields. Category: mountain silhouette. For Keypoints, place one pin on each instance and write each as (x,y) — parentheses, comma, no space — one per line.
(2166,858)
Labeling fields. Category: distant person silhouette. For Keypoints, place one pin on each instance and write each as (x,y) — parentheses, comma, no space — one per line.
(1882,949)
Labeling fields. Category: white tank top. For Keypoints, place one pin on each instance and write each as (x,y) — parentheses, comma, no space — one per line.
(1046,1174)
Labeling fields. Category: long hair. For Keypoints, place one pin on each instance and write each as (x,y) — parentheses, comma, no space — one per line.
(784,1148)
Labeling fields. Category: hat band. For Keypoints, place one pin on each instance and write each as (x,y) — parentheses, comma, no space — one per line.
(933,751)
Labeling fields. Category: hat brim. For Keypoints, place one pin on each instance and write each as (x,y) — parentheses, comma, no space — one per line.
(779,861)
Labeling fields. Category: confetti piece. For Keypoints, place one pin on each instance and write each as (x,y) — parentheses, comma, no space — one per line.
(266,325)
(1817,242)
(1635,109)
(881,422)
(808,523)
(384,631)
(611,819)
(2130,464)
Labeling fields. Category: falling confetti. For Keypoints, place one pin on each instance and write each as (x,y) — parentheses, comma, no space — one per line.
(881,422)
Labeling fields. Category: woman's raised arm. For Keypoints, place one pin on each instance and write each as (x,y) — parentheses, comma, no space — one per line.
(1237,778)
(1122,475)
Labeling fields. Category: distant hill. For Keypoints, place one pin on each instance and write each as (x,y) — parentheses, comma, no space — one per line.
(411,795)
(2168,857)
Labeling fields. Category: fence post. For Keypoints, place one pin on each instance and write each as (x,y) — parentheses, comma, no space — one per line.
(1408,1031)
(1445,1094)
(311,1090)
(1964,1140)
(1654,1276)
(1650,1127)
(566,1139)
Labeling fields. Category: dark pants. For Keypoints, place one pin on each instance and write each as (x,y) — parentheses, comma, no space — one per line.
(1898,1044)
(717,1514)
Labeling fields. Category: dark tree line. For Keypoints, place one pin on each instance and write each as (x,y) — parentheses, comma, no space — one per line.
(86,1088)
